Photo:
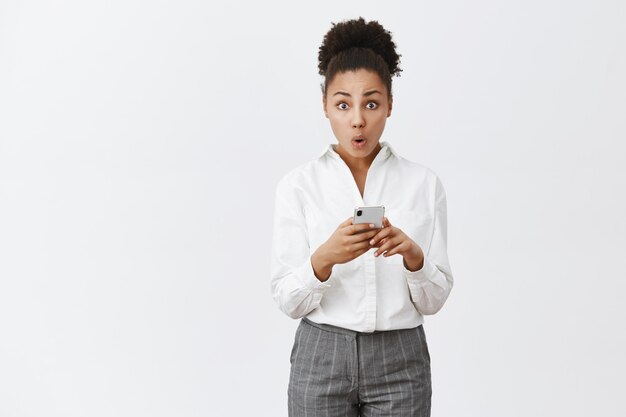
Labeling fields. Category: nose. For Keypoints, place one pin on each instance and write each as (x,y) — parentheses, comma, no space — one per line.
(357,119)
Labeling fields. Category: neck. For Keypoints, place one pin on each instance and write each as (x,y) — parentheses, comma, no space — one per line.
(358,164)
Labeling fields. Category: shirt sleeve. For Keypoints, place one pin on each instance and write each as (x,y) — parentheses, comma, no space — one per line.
(430,286)
(294,286)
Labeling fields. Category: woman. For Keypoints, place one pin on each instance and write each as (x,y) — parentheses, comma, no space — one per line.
(360,347)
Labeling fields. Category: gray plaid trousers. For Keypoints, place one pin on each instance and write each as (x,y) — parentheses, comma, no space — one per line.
(338,372)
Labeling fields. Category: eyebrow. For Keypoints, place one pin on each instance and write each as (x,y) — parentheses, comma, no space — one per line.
(367,93)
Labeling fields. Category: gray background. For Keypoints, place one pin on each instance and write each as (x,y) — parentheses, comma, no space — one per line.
(140,144)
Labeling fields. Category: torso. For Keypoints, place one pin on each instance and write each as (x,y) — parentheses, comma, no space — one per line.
(359,174)
(359,178)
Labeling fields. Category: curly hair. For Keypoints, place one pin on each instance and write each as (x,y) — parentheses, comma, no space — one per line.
(357,44)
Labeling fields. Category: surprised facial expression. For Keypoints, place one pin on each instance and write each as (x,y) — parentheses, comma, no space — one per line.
(357,104)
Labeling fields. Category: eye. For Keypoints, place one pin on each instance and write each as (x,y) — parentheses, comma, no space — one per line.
(342,108)
(374,103)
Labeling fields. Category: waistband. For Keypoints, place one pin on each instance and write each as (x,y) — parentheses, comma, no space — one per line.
(342,330)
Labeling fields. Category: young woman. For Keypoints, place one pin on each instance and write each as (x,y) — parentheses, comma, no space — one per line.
(359,291)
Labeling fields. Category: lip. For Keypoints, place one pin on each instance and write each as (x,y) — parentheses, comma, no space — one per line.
(358,145)
(358,137)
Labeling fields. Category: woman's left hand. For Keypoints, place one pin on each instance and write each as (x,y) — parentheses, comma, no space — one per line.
(391,240)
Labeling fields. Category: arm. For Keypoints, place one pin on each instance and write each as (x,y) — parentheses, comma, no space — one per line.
(430,286)
(294,285)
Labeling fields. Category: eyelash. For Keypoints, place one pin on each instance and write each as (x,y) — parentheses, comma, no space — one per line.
(343,102)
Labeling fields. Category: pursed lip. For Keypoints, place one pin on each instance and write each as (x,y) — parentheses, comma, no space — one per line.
(358,137)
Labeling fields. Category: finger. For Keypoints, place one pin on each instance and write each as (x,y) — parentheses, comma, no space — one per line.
(346,222)
(377,244)
(390,243)
(380,242)
(361,251)
(382,233)
(386,222)
(359,228)
(395,250)
(358,247)
(362,237)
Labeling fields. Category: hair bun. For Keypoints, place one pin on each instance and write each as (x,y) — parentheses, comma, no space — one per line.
(358,33)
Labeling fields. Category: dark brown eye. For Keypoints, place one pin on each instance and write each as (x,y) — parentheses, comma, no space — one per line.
(374,103)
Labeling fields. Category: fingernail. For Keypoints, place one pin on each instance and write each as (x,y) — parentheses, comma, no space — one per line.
(372,225)
(372,242)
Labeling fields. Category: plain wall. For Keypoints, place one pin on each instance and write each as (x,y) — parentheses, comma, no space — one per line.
(140,146)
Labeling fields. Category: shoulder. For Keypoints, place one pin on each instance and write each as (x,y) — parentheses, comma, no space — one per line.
(297,176)
(416,170)
(421,176)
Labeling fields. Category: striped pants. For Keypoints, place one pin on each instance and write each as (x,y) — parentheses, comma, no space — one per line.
(339,372)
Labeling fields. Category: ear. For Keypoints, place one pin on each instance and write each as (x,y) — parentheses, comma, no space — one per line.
(324,105)
(390,106)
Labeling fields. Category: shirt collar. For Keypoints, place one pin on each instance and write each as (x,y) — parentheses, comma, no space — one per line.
(385,151)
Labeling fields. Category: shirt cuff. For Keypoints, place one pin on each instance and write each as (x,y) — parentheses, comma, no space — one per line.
(419,277)
(310,280)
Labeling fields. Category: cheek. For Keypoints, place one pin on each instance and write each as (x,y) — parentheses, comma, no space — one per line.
(377,123)
(337,122)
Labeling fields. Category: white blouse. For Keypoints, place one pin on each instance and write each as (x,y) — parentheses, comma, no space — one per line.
(368,293)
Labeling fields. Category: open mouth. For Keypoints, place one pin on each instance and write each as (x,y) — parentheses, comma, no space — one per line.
(359,142)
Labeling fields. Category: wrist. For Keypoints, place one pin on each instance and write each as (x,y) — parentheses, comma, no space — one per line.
(414,261)
(322,267)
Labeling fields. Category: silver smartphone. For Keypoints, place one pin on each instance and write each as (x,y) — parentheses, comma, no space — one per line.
(369,214)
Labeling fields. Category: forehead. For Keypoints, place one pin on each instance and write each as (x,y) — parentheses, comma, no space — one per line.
(356,82)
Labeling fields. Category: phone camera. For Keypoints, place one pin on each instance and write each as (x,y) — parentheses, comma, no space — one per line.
(359,212)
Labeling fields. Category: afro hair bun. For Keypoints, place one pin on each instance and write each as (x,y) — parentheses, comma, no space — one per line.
(358,33)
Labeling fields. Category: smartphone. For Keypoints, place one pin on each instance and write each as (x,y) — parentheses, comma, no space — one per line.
(369,214)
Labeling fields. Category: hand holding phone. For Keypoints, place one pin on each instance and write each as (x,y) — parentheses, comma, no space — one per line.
(350,240)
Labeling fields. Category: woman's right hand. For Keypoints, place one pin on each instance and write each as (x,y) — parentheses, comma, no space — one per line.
(348,241)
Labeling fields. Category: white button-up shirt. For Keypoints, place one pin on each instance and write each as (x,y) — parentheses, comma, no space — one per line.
(367,293)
